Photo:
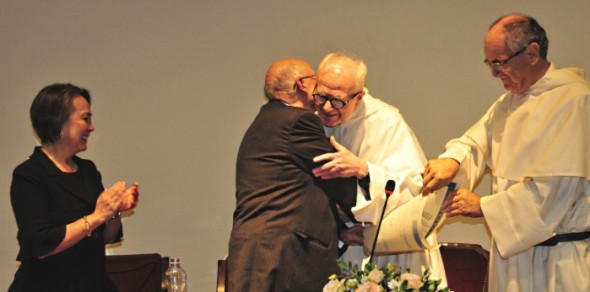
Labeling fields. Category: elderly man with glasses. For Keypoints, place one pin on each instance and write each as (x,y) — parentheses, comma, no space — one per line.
(286,223)
(374,145)
(535,142)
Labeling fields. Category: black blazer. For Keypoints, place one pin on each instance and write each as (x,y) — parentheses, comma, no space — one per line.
(44,201)
(285,230)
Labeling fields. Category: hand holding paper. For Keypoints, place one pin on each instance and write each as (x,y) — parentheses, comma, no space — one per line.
(463,202)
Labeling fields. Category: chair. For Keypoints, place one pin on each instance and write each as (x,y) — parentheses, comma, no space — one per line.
(222,275)
(137,272)
(466,266)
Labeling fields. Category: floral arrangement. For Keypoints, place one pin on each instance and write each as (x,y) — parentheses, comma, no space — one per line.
(377,279)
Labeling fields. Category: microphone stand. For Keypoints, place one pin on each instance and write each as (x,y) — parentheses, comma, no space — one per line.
(390,186)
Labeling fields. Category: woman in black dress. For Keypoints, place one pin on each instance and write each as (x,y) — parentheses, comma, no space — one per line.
(64,215)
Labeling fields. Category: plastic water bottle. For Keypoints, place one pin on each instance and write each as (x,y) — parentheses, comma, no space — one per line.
(175,276)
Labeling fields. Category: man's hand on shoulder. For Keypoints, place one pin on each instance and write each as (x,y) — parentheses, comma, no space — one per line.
(341,163)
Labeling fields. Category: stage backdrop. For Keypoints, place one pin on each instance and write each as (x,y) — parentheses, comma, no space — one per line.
(175,84)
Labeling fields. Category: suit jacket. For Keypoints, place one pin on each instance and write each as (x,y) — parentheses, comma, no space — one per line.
(285,230)
(44,201)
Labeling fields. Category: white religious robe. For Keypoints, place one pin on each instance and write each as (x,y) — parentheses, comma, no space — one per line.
(537,147)
(377,133)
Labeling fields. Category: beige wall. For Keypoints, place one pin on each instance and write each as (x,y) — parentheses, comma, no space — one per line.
(176,83)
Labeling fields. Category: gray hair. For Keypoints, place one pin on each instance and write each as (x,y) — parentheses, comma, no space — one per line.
(361,72)
(522,31)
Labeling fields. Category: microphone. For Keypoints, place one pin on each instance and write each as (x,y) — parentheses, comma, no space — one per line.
(389,187)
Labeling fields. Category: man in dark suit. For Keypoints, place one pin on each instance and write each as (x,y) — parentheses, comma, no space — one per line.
(286,224)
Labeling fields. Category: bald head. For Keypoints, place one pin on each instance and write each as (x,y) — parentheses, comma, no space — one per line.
(517,31)
(282,76)
(515,48)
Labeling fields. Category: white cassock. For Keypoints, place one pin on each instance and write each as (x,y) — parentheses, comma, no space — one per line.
(377,133)
(537,146)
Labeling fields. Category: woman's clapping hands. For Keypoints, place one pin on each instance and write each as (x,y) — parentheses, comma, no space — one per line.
(117,198)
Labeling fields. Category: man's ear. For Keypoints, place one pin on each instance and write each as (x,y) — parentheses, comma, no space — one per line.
(533,52)
(300,85)
(361,94)
(310,83)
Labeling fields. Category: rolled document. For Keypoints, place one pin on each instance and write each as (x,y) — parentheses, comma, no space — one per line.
(406,228)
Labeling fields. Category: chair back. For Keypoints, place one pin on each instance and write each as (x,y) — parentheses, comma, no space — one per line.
(137,272)
(466,266)
(222,275)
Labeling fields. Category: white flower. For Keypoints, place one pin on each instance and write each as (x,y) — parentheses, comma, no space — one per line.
(374,279)
(368,287)
(334,286)
(376,276)
(414,281)
(393,284)
(364,278)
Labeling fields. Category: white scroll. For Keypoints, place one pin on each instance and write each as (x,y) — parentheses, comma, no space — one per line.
(407,227)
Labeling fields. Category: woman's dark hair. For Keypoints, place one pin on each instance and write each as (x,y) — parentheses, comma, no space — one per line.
(52,107)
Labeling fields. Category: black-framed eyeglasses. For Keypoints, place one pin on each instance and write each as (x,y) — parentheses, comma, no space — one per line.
(337,103)
(499,63)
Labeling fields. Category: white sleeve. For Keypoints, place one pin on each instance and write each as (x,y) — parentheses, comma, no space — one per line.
(395,155)
(530,212)
(472,151)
